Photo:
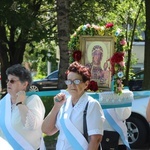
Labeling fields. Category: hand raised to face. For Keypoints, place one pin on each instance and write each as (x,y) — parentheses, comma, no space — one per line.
(21,96)
(59,99)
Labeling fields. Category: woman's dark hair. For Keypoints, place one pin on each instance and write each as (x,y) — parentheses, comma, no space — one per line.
(80,69)
(21,72)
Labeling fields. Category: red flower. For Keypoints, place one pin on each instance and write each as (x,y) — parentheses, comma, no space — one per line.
(117,58)
(93,86)
(109,25)
(77,55)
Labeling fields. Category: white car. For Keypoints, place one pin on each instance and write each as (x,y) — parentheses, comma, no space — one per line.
(138,127)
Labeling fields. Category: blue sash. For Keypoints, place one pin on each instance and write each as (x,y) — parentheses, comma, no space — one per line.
(116,127)
(13,137)
(74,137)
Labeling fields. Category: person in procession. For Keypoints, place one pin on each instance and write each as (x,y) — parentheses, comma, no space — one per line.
(115,123)
(21,115)
(66,115)
(5,145)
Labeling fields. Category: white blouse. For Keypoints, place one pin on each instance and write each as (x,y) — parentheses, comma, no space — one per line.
(95,119)
(5,145)
(31,131)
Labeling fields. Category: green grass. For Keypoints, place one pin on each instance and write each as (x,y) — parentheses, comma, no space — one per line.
(48,103)
(50,141)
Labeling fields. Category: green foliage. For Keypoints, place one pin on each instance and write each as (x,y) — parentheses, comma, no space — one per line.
(38,54)
(126,13)
(50,141)
(83,12)
(91,30)
(24,22)
(28,16)
(31,26)
(48,103)
(134,60)
(42,68)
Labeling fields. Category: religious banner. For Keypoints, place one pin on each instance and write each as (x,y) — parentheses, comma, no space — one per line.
(102,49)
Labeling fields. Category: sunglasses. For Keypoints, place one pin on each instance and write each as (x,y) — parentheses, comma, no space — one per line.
(76,82)
(11,81)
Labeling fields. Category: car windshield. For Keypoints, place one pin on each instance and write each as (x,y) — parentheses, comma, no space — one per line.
(139,75)
(54,75)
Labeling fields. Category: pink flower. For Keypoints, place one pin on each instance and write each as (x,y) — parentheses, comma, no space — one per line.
(123,42)
(96,27)
(88,25)
(122,64)
(119,89)
(119,81)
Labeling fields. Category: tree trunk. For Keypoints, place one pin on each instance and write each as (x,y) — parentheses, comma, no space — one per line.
(63,37)
(146,82)
(10,53)
(4,65)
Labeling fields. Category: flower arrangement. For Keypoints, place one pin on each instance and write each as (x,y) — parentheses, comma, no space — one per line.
(116,61)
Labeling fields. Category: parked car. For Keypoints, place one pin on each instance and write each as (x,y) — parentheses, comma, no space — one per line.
(138,127)
(48,83)
(135,84)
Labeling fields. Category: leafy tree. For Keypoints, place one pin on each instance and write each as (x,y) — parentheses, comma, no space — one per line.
(22,22)
(42,52)
(26,25)
(87,11)
(131,16)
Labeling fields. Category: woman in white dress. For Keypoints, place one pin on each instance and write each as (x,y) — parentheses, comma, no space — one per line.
(5,145)
(66,115)
(21,115)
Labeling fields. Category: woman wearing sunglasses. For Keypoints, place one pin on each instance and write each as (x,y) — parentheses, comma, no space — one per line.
(21,115)
(66,115)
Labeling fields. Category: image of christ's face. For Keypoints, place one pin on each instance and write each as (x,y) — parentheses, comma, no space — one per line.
(97,56)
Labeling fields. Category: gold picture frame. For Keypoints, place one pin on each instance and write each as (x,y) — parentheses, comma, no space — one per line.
(94,48)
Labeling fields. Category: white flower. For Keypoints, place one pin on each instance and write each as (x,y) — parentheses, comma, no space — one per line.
(120,74)
(117,32)
(102,28)
(84,27)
